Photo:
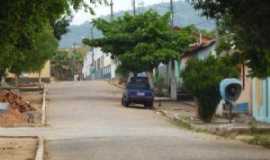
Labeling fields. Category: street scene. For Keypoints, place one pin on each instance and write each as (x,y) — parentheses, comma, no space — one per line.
(134,79)
(86,121)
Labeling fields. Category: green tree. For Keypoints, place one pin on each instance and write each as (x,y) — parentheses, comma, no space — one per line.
(61,66)
(33,60)
(202,78)
(141,42)
(67,63)
(248,23)
(22,21)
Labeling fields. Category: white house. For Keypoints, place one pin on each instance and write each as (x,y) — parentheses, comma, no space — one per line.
(99,65)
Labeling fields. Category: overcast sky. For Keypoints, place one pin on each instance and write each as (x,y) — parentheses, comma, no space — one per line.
(119,5)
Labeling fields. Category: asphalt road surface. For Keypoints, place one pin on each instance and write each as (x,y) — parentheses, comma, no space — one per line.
(87,122)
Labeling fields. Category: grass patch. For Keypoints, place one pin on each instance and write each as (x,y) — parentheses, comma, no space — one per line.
(261,139)
(183,124)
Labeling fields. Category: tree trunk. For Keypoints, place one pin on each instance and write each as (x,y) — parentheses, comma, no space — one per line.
(3,80)
(173,83)
(16,80)
(150,77)
(39,78)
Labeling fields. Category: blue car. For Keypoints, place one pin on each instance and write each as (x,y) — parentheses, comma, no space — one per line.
(138,91)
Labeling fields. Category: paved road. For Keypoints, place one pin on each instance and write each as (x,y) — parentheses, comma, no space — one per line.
(100,129)
(87,122)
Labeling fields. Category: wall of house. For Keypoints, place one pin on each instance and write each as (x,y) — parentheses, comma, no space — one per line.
(246,96)
(103,67)
(86,70)
(201,54)
(45,73)
(260,99)
(204,53)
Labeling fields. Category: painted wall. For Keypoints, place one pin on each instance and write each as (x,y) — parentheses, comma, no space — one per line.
(104,67)
(201,55)
(45,72)
(86,70)
(260,97)
(204,53)
(246,96)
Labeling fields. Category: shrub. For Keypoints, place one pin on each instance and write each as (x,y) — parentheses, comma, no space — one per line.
(122,73)
(202,78)
(160,86)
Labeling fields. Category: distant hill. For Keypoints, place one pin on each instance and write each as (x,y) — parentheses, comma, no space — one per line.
(185,15)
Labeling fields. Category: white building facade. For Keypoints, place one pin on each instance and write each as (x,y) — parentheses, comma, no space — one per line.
(99,65)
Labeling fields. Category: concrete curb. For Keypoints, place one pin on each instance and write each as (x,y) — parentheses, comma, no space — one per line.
(40,149)
(189,125)
(220,131)
(44,106)
(193,127)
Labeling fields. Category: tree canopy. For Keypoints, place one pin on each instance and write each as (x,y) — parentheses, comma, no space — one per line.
(33,60)
(28,29)
(66,63)
(249,24)
(141,42)
(205,85)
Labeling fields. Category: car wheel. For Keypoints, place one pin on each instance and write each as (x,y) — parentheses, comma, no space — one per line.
(122,101)
(125,102)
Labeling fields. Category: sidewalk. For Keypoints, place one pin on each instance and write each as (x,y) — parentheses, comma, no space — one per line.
(184,113)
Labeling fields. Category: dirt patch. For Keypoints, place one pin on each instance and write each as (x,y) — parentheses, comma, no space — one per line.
(24,108)
(18,148)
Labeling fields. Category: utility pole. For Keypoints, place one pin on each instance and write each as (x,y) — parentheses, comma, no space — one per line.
(112,13)
(172,12)
(92,48)
(93,52)
(73,61)
(134,7)
(171,66)
(92,36)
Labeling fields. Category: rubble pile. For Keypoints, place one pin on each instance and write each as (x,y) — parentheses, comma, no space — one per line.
(17,108)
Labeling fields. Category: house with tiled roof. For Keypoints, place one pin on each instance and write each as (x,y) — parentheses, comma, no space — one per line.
(204,47)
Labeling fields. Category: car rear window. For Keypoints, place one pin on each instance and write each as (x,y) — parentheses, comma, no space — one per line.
(139,80)
(138,85)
